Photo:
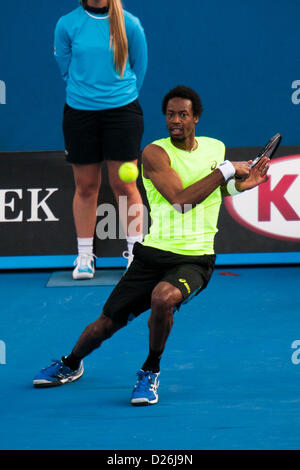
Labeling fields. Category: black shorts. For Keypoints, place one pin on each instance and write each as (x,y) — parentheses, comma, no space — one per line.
(109,134)
(132,295)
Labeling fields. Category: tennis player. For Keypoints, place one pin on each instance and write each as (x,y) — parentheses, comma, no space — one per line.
(184,177)
(101,50)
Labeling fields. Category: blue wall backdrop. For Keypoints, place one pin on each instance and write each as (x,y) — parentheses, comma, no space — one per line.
(241,57)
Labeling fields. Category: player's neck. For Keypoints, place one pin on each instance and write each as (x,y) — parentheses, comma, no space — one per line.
(188,144)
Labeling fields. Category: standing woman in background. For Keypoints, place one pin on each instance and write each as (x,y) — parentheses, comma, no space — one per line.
(102,54)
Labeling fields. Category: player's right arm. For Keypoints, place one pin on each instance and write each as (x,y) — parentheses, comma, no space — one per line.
(156,167)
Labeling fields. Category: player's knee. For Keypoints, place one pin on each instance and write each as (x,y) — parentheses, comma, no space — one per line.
(162,300)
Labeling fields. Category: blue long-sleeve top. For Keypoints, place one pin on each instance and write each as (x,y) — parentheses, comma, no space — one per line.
(83,52)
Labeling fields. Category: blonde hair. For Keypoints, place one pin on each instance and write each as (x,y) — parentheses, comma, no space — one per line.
(118,38)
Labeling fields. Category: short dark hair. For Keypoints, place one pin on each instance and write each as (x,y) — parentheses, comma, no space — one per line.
(186,93)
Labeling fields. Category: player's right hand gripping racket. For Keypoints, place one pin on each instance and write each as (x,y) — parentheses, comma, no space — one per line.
(268,150)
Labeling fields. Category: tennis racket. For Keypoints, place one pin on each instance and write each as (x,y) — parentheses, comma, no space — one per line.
(268,150)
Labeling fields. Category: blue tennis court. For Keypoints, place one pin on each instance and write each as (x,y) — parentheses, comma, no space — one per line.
(227,376)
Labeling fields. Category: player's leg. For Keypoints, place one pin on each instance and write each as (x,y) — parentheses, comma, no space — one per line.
(70,368)
(131,297)
(179,285)
(163,301)
(91,338)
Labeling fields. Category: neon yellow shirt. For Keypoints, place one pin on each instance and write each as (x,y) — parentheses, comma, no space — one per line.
(192,232)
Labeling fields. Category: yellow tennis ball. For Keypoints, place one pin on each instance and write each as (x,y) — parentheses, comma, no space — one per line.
(128,172)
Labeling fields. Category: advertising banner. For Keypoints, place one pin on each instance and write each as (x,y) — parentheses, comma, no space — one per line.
(37,188)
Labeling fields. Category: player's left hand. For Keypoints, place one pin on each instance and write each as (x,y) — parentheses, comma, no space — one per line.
(258,175)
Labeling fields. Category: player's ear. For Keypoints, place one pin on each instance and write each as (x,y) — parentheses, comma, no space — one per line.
(196,119)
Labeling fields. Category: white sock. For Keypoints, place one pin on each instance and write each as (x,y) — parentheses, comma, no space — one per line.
(131,241)
(85,245)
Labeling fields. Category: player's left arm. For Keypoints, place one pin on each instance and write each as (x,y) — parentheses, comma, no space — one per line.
(257,176)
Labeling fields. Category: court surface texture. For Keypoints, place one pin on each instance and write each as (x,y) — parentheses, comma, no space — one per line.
(230,378)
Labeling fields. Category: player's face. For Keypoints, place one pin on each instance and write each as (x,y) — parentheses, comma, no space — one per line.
(181,121)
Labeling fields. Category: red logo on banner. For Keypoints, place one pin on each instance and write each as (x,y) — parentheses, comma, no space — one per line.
(273,208)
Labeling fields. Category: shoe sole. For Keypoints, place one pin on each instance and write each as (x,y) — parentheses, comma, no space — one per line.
(44,384)
(80,276)
(143,402)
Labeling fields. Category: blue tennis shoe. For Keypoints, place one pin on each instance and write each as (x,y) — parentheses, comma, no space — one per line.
(57,374)
(145,390)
